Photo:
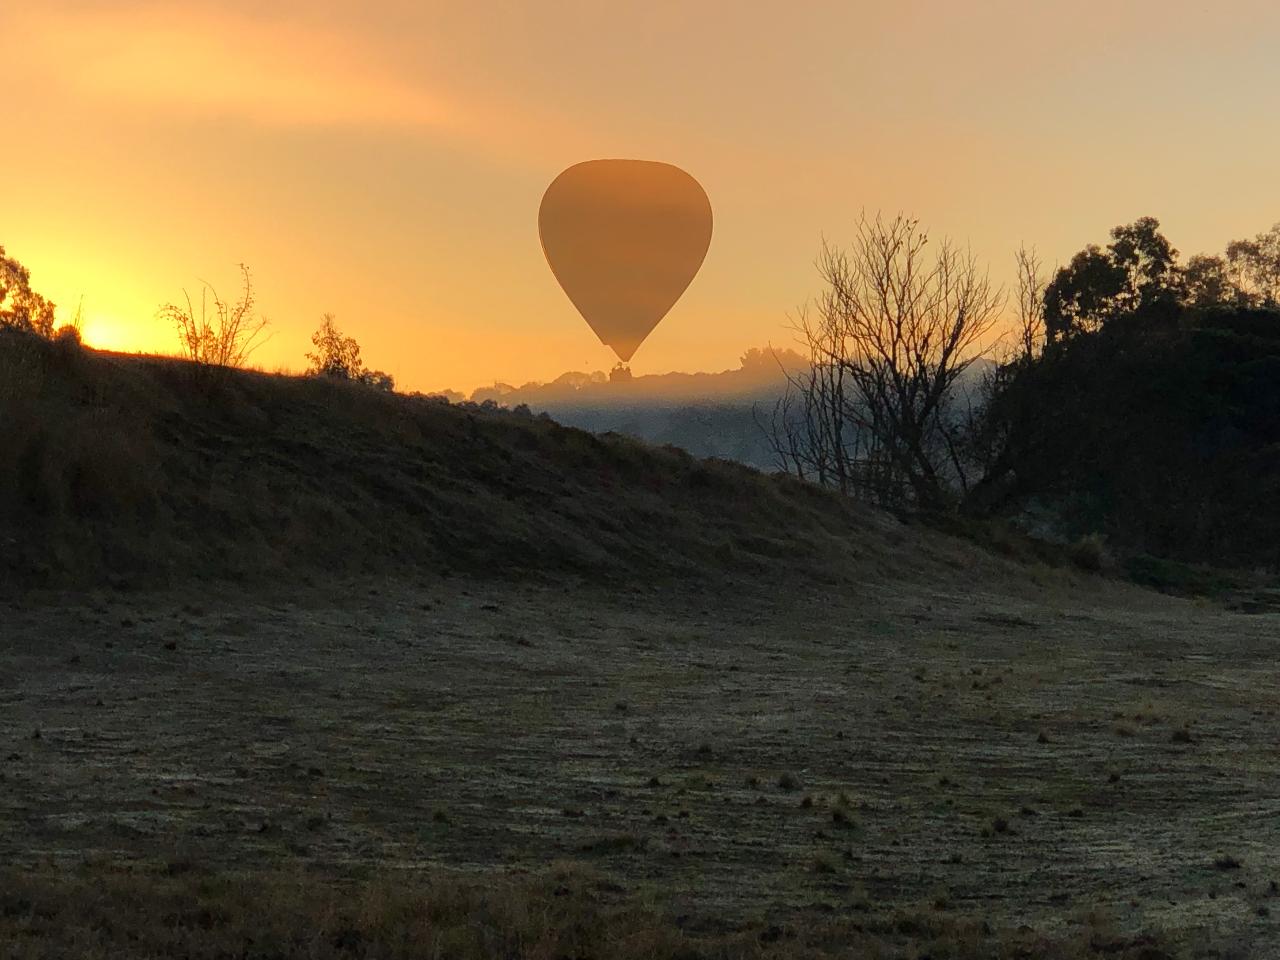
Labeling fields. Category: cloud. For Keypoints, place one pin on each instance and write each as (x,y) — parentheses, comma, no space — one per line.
(202,64)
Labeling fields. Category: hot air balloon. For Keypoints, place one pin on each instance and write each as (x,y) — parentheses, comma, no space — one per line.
(624,238)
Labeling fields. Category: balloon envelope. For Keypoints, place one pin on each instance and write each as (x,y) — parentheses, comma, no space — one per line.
(624,238)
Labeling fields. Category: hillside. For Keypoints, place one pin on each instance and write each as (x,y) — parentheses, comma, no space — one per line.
(123,469)
(756,719)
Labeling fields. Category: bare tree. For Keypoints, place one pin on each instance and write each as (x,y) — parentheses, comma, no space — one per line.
(1031,286)
(807,429)
(220,334)
(787,431)
(889,340)
(987,438)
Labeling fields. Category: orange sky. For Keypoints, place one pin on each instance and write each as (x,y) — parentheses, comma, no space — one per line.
(384,160)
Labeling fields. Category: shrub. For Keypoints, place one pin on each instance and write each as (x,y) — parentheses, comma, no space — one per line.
(338,356)
(220,334)
(1090,553)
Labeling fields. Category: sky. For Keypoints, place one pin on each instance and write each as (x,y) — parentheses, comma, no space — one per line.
(384,160)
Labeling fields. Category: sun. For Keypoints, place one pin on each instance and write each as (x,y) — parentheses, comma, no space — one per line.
(107,333)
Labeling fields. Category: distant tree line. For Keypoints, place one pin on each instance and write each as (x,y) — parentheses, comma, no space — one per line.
(1138,398)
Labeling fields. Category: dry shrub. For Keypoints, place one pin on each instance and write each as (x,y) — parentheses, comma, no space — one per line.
(67,336)
(214,333)
(1090,553)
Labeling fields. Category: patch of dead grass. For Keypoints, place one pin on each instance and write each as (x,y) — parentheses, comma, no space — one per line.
(99,912)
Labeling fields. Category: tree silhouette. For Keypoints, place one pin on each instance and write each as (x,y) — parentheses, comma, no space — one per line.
(21,308)
(337,355)
(1207,282)
(1255,267)
(1148,259)
(889,339)
(1136,271)
(1151,415)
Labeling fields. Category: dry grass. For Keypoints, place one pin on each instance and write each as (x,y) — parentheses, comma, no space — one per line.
(21,369)
(379,727)
(669,733)
(76,457)
(118,471)
(569,911)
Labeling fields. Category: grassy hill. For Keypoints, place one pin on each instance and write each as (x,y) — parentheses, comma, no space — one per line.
(946,755)
(122,469)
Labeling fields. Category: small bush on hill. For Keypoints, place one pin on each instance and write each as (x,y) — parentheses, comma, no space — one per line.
(338,356)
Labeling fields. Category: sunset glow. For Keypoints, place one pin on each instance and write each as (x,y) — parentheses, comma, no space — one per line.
(639,479)
(385,161)
(108,333)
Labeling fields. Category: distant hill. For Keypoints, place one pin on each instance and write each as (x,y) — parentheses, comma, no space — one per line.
(130,470)
(707,414)
(760,375)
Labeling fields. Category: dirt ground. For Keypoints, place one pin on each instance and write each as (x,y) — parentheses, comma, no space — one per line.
(1038,755)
